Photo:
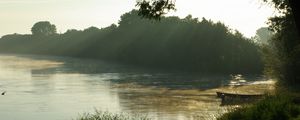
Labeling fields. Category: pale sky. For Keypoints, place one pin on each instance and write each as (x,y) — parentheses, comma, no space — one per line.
(18,16)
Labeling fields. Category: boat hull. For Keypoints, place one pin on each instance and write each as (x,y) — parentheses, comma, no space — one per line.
(233,99)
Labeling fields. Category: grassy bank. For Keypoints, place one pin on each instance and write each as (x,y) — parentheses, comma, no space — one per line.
(278,107)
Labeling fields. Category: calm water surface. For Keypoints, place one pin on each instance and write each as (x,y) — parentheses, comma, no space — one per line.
(58,88)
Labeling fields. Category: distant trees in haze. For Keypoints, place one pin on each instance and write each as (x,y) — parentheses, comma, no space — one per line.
(281,57)
(43,28)
(172,43)
(263,35)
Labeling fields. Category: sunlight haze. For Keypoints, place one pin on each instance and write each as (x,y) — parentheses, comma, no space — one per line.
(18,16)
(149,60)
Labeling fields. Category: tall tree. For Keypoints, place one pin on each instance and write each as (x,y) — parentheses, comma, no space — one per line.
(44,28)
(285,45)
(263,35)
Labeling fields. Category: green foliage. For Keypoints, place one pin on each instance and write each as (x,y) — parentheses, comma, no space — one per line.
(284,46)
(172,43)
(99,115)
(271,108)
(44,28)
(283,6)
(154,9)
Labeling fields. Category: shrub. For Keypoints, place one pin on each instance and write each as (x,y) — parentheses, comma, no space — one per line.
(100,115)
(277,107)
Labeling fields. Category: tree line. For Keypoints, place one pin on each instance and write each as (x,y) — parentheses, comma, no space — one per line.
(187,44)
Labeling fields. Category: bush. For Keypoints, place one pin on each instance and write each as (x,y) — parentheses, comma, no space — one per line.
(99,115)
(277,107)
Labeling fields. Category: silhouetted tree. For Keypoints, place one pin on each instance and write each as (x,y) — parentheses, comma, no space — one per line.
(285,45)
(44,28)
(154,9)
(263,35)
(172,43)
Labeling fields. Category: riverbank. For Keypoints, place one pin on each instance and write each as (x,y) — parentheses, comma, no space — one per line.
(275,107)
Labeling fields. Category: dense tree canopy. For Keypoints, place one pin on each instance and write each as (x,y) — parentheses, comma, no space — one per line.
(44,28)
(283,56)
(284,52)
(172,43)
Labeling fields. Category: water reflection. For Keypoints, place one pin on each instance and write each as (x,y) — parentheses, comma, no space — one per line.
(170,103)
(43,87)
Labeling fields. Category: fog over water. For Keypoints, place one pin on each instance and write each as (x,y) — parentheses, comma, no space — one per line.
(61,88)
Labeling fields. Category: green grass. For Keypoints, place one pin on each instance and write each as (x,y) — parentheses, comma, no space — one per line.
(100,115)
(279,107)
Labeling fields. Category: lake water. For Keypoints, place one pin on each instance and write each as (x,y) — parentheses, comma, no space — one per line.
(61,88)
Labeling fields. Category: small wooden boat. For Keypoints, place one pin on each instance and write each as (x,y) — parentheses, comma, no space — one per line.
(232,98)
(220,94)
